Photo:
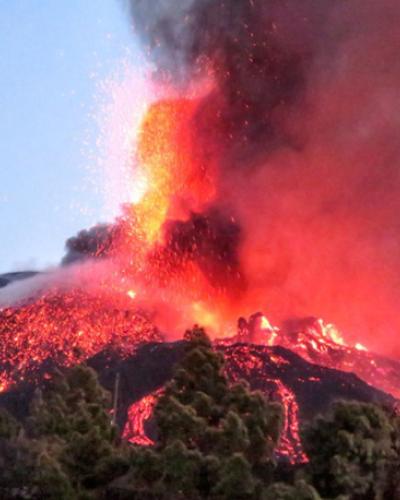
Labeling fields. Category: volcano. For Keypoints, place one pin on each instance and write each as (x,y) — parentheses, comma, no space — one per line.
(264,176)
(306,365)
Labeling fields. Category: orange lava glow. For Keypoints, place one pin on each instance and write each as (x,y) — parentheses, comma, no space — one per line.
(67,329)
(244,361)
(323,344)
(167,156)
(290,443)
(290,448)
(138,414)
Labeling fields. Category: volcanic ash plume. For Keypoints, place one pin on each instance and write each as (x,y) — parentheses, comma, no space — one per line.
(292,145)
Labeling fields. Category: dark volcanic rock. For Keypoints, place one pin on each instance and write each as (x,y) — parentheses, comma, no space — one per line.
(315,387)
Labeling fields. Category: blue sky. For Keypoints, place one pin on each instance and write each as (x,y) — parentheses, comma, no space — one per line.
(53,53)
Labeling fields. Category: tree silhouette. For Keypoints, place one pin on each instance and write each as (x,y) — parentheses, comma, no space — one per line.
(73,418)
(354,451)
(214,440)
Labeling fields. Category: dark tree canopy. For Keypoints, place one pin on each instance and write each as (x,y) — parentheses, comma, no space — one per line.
(354,452)
(215,440)
(68,448)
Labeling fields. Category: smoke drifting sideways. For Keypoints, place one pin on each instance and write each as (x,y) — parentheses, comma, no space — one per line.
(300,129)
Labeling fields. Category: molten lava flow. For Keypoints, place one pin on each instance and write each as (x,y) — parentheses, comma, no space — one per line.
(247,364)
(66,328)
(290,442)
(138,415)
(322,344)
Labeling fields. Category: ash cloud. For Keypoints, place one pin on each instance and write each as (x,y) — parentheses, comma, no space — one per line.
(302,126)
(96,242)
(258,52)
(211,239)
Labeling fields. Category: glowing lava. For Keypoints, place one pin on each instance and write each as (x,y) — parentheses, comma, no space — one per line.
(167,156)
(66,328)
(138,415)
(322,344)
(239,361)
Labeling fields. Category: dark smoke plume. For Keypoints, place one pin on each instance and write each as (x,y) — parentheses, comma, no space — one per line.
(302,127)
(259,52)
(211,240)
(96,242)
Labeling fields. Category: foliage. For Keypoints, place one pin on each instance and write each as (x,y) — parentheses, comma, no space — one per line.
(300,491)
(68,448)
(214,440)
(354,452)
(30,468)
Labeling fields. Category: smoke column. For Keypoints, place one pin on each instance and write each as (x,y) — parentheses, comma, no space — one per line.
(300,132)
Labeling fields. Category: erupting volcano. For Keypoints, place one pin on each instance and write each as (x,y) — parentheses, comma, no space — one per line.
(270,183)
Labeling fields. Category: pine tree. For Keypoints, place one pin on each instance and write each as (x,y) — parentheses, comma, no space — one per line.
(354,452)
(236,480)
(214,440)
(29,468)
(283,491)
(73,417)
